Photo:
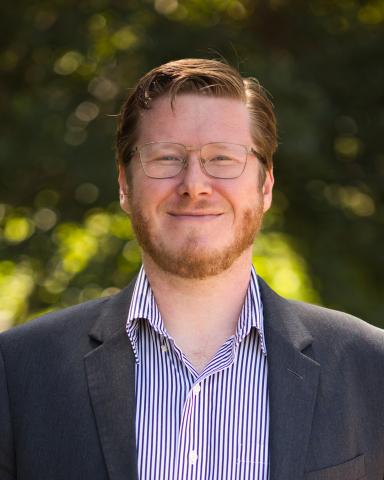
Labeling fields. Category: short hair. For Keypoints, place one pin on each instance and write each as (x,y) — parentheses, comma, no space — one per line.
(202,77)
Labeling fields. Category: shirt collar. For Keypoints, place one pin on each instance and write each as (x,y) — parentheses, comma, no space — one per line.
(144,306)
(252,313)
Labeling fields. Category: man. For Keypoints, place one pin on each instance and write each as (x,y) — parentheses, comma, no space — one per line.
(197,370)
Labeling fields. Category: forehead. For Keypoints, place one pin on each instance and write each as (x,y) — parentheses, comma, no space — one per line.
(196,118)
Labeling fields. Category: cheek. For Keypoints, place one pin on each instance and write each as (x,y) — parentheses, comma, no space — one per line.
(150,195)
(243,195)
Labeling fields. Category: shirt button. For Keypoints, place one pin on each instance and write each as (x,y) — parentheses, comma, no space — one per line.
(192,457)
(196,389)
(164,348)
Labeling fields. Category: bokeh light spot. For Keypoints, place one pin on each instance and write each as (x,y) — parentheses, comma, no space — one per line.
(348,146)
(166,7)
(103,88)
(44,19)
(18,229)
(86,193)
(16,284)
(45,219)
(237,11)
(87,111)
(98,224)
(46,198)
(370,15)
(124,38)
(360,203)
(75,136)
(121,226)
(97,22)
(279,263)
(8,60)
(68,63)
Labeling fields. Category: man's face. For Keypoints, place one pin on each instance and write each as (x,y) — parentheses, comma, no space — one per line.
(192,225)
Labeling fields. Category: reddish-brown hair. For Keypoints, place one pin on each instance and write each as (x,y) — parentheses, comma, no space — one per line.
(203,77)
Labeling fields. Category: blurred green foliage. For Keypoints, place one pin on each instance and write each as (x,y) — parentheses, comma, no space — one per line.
(65,68)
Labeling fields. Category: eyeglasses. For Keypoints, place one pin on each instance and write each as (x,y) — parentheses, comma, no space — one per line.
(218,160)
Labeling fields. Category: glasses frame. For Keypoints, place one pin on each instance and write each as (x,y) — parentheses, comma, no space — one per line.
(249,150)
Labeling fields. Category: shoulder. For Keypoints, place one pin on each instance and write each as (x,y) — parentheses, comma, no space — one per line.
(69,328)
(329,330)
(56,323)
(322,319)
(331,325)
(49,339)
(343,341)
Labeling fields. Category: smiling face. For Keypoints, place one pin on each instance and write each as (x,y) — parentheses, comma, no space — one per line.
(193,225)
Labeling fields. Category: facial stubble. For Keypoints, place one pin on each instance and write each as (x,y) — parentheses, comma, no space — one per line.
(191,260)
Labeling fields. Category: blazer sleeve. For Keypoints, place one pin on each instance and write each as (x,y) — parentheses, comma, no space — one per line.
(7,458)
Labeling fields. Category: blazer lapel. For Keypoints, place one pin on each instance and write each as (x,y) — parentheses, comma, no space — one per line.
(292,382)
(110,370)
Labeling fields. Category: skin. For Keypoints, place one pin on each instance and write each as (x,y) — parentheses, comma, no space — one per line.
(196,232)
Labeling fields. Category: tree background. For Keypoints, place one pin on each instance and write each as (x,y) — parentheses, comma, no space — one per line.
(67,65)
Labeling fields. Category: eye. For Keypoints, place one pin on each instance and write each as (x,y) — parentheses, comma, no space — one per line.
(167,159)
(170,157)
(222,159)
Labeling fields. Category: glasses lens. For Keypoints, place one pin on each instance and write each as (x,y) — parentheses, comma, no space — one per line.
(162,160)
(224,160)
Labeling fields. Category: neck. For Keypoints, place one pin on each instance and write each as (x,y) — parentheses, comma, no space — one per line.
(200,315)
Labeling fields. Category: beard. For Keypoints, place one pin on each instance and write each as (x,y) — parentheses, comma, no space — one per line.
(192,261)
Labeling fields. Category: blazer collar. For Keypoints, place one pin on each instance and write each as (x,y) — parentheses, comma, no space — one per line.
(110,370)
(113,315)
(293,377)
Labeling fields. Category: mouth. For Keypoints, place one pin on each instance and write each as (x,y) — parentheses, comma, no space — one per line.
(195,216)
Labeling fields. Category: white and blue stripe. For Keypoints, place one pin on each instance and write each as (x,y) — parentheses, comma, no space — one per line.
(208,426)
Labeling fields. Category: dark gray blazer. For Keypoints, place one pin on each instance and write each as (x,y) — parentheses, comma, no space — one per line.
(67,401)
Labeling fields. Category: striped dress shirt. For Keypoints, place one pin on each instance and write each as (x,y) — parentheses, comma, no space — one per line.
(212,425)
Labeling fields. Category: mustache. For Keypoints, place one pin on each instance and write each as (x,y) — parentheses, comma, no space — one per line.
(191,205)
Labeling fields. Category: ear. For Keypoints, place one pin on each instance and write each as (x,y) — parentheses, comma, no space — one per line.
(267,189)
(123,190)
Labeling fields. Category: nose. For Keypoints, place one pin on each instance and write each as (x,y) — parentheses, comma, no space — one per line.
(194,181)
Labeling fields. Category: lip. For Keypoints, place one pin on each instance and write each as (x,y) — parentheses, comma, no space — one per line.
(194,215)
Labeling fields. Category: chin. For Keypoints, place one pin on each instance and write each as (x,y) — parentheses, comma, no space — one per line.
(198,261)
